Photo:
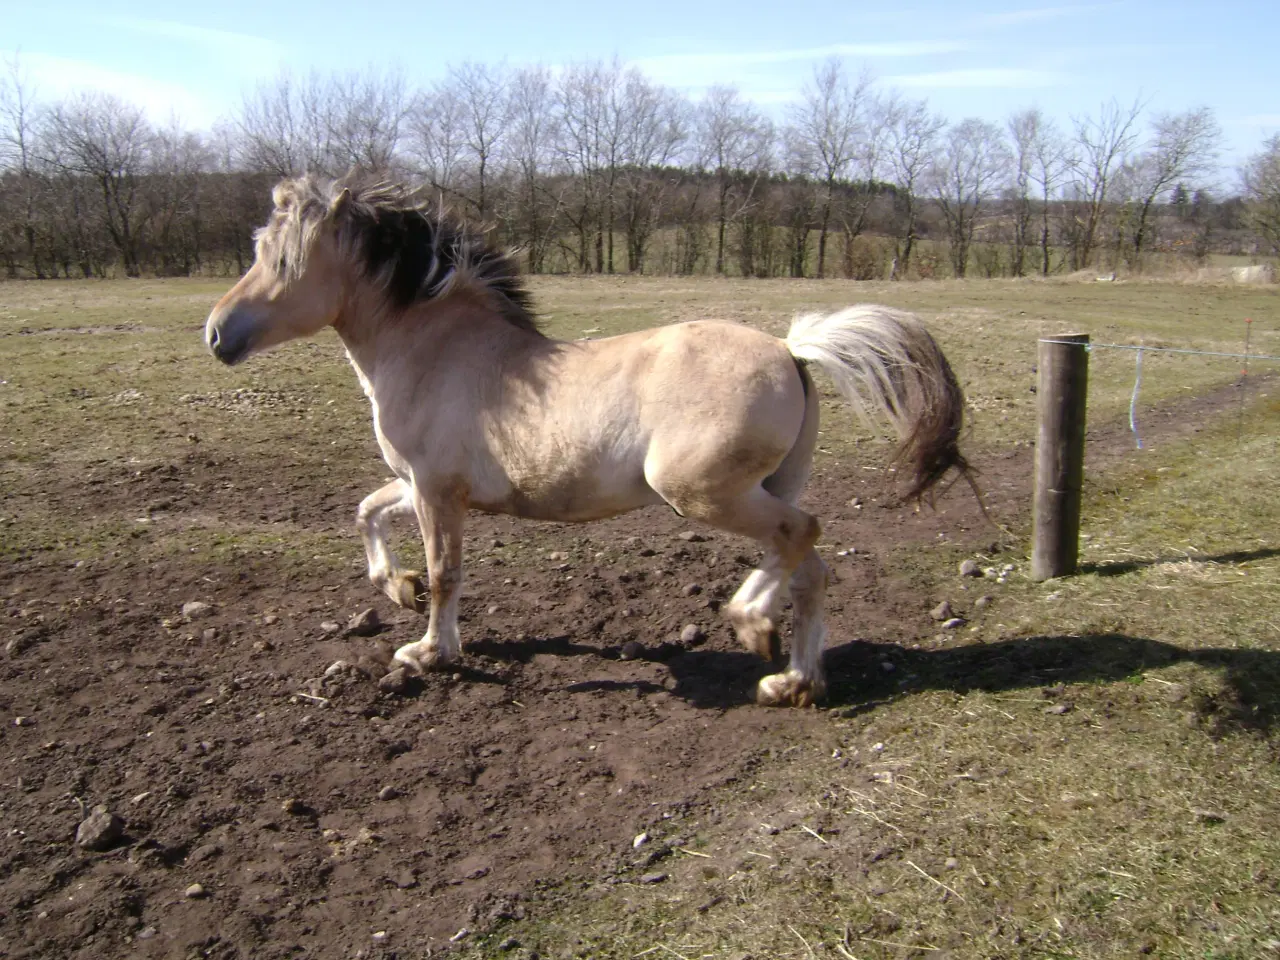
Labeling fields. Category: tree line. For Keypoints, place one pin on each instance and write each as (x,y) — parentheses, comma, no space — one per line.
(595,168)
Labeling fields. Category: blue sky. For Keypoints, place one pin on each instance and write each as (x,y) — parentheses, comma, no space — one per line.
(987,61)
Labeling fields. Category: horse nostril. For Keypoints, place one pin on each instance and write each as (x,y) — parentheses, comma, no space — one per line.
(213,339)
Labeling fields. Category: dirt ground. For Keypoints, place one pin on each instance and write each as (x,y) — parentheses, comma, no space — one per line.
(325,818)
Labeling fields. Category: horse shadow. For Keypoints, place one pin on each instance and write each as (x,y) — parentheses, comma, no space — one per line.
(1115,568)
(863,675)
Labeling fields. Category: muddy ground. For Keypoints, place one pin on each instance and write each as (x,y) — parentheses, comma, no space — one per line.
(325,818)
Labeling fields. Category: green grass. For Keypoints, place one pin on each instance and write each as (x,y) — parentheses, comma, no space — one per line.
(953,812)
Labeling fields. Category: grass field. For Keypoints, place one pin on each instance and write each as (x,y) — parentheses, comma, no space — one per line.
(1090,769)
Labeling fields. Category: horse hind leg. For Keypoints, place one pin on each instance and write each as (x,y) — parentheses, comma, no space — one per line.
(404,587)
(788,535)
(803,682)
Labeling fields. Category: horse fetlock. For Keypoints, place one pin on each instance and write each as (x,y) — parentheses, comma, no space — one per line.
(790,689)
(408,590)
(756,632)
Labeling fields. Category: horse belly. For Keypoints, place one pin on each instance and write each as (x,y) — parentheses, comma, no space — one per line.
(571,495)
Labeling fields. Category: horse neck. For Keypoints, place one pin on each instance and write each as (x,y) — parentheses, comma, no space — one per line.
(456,323)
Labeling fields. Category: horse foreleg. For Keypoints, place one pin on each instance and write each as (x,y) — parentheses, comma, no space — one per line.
(405,587)
(441,521)
(804,681)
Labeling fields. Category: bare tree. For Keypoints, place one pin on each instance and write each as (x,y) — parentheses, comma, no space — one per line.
(109,142)
(1182,147)
(913,132)
(530,149)
(654,124)
(1260,178)
(481,93)
(437,138)
(732,139)
(1103,143)
(964,174)
(1049,165)
(1024,131)
(19,119)
(365,115)
(828,126)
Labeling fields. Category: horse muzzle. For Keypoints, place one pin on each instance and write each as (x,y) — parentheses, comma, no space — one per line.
(230,335)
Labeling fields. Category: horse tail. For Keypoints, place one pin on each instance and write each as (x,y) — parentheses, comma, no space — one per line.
(885,362)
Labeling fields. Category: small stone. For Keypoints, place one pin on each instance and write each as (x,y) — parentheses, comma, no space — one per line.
(328,626)
(631,650)
(194,892)
(99,830)
(396,681)
(692,635)
(954,623)
(1058,709)
(460,935)
(653,878)
(640,840)
(337,668)
(24,721)
(692,536)
(970,568)
(380,936)
(262,646)
(388,793)
(206,851)
(1211,817)
(952,863)
(1176,693)
(691,589)
(492,609)
(509,944)
(195,609)
(209,634)
(942,611)
(365,623)
(146,933)
(887,666)
(983,602)
(295,807)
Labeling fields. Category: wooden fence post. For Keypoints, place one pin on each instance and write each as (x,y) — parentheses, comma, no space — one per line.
(1061,394)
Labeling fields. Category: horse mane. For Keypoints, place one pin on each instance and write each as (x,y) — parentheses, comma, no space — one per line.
(409,249)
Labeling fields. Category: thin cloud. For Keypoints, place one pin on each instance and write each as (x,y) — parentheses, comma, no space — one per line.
(982,77)
(63,77)
(250,53)
(713,61)
(1035,14)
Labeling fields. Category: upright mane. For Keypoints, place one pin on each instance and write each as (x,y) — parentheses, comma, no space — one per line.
(410,250)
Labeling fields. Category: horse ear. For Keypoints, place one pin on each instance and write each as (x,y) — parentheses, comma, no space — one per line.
(340,202)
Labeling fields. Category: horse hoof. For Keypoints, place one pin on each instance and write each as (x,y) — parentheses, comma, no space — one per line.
(420,659)
(788,690)
(411,592)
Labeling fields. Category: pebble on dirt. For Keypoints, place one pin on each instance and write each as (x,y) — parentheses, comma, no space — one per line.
(99,830)
(631,650)
(1058,709)
(942,611)
(640,840)
(365,623)
(983,602)
(954,623)
(194,892)
(692,635)
(653,878)
(970,568)
(195,609)
(396,681)
(388,793)
(692,536)
(328,626)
